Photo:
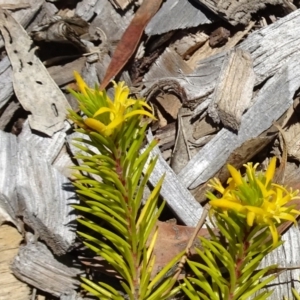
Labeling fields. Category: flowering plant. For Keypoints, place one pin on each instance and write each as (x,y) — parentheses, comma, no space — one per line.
(111,186)
(122,230)
(248,211)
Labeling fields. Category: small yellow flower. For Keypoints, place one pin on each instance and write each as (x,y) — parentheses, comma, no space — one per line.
(256,197)
(104,115)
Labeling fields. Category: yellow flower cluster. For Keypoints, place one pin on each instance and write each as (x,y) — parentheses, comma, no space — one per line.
(255,197)
(106,116)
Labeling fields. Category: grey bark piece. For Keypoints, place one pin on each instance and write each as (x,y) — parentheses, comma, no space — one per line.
(44,195)
(111,22)
(287,256)
(121,3)
(63,74)
(260,45)
(37,266)
(33,86)
(6,85)
(8,174)
(177,14)
(23,16)
(233,93)
(8,113)
(47,11)
(85,9)
(237,11)
(72,296)
(175,194)
(271,103)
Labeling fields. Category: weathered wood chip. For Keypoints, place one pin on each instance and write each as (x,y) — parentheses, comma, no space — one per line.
(233,92)
(37,266)
(270,104)
(6,85)
(237,11)
(260,44)
(11,287)
(33,190)
(177,14)
(175,194)
(120,3)
(44,194)
(33,86)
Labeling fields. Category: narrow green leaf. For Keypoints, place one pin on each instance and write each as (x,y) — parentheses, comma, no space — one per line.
(114,238)
(202,284)
(257,287)
(127,290)
(162,289)
(152,196)
(166,269)
(110,208)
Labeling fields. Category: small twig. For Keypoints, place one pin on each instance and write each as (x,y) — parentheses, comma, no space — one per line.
(181,127)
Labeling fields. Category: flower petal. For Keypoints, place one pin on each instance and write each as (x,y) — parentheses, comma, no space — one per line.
(221,203)
(139,112)
(270,170)
(95,125)
(81,83)
(236,175)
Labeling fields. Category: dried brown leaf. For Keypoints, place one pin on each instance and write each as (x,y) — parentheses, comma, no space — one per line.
(130,39)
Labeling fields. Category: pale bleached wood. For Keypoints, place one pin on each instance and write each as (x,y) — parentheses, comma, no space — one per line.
(86,9)
(63,74)
(11,287)
(36,265)
(177,14)
(8,174)
(179,199)
(286,256)
(23,16)
(6,85)
(34,87)
(188,44)
(110,21)
(260,44)
(233,92)
(270,104)
(120,3)
(8,114)
(44,195)
(292,137)
(237,11)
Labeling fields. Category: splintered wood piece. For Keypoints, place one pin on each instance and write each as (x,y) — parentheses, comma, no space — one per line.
(188,44)
(8,173)
(120,3)
(23,15)
(285,256)
(266,62)
(61,30)
(44,195)
(236,11)
(11,287)
(177,196)
(87,8)
(177,14)
(63,74)
(233,92)
(292,136)
(270,104)
(35,89)
(36,265)
(6,84)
